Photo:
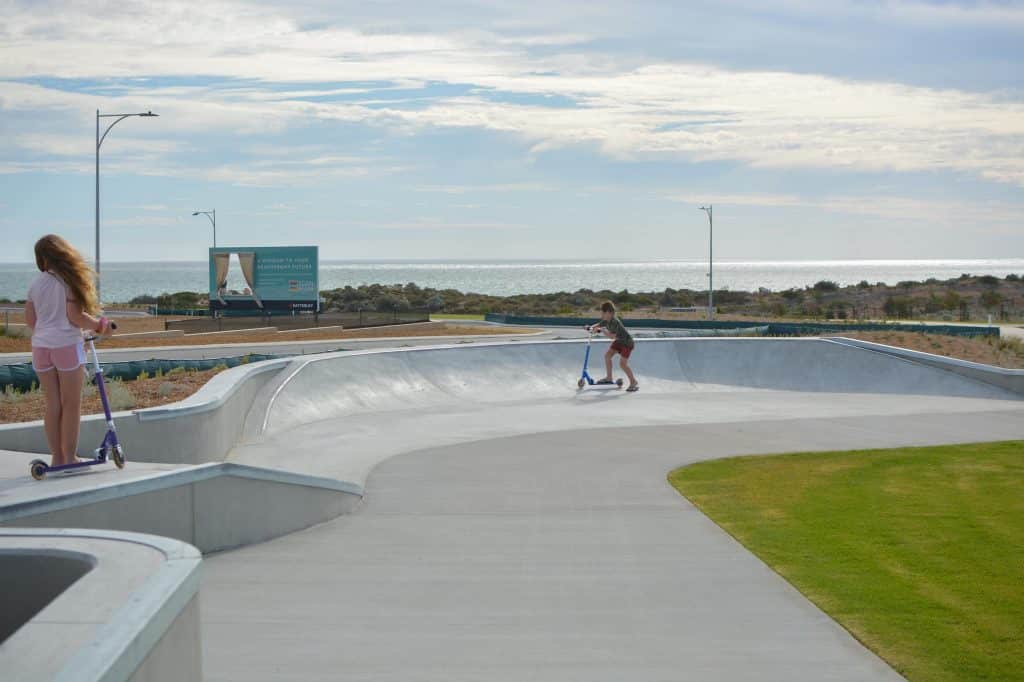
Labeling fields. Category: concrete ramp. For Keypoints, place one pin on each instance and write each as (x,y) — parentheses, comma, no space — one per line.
(349,384)
(339,415)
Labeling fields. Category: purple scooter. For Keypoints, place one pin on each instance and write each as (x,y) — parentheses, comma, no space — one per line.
(109,447)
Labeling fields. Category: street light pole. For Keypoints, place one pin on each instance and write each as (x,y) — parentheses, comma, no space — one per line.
(709,209)
(212,215)
(99,141)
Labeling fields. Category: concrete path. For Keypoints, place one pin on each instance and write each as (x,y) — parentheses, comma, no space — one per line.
(557,556)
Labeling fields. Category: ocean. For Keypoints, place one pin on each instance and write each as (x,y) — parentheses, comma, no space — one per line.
(123,281)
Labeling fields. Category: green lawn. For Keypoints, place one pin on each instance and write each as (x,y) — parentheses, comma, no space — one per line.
(919,552)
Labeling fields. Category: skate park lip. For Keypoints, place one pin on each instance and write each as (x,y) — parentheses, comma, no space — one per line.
(320,424)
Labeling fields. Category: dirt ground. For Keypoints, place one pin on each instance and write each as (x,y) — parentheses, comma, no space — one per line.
(123,394)
(23,345)
(1002,352)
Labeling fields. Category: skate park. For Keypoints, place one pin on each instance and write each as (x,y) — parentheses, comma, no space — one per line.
(464,512)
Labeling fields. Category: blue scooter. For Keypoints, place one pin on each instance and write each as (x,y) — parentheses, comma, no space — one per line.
(585,378)
(109,446)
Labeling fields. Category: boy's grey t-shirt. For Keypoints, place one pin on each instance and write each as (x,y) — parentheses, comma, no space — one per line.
(616,327)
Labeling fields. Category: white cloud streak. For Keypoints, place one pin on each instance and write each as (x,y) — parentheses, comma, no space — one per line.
(688,111)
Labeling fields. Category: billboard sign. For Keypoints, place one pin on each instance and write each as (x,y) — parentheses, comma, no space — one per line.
(264,279)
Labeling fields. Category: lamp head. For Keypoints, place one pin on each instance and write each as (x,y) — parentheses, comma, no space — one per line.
(150,113)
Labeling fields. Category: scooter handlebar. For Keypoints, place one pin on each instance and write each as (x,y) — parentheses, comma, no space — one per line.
(96,337)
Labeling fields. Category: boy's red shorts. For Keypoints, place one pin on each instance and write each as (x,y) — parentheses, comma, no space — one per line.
(622,349)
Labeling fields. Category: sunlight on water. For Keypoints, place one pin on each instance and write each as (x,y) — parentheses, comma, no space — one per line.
(122,281)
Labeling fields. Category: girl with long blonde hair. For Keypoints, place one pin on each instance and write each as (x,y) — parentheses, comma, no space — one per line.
(61,303)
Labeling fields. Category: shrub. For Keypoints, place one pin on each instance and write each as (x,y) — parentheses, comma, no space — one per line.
(826,285)
(990,299)
(119,397)
(165,389)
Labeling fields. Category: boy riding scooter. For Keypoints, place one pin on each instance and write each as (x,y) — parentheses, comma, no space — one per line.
(623,344)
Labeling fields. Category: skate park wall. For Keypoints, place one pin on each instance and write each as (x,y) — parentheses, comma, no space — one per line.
(201,428)
(274,395)
(343,384)
(98,605)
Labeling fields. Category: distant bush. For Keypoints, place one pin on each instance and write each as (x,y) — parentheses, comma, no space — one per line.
(145,299)
(863,284)
(988,280)
(792,294)
(990,299)
(1013,278)
(826,285)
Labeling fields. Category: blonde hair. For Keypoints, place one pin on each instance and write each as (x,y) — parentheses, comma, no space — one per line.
(56,255)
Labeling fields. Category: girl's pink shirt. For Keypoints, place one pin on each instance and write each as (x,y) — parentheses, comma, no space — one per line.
(49,296)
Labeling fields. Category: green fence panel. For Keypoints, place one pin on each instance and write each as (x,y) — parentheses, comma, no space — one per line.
(774,328)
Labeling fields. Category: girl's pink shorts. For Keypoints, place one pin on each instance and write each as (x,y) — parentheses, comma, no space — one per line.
(65,358)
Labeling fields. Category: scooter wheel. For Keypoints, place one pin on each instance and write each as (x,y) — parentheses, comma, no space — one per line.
(618,382)
(117,454)
(581,383)
(38,469)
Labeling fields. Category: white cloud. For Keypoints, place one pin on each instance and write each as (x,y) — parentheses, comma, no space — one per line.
(678,110)
(501,187)
(934,211)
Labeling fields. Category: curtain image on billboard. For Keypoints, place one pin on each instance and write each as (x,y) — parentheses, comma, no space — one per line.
(246,266)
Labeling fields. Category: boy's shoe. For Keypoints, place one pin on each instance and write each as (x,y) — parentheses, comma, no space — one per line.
(633,388)
(606,380)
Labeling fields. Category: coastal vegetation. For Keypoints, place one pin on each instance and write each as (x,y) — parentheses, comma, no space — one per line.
(962,299)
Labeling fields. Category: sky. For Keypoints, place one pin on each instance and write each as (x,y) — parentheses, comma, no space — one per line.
(512,129)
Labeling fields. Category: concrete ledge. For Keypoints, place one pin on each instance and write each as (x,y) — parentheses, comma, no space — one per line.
(213,507)
(1009,379)
(133,616)
(253,330)
(331,328)
(168,334)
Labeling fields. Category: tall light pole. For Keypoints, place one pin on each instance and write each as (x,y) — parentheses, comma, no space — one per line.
(709,209)
(212,215)
(99,141)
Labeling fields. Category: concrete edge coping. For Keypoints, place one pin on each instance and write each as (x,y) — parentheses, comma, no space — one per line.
(119,646)
(213,393)
(170,479)
(921,355)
